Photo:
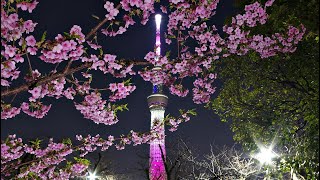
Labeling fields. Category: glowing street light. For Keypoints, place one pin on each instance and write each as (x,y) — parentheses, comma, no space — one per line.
(265,155)
(92,176)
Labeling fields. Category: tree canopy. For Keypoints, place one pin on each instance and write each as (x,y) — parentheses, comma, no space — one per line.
(276,100)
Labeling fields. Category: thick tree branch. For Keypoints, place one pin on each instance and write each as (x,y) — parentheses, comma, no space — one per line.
(43,80)
(47,79)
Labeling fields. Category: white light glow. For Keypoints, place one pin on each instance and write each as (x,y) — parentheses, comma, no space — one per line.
(156,114)
(110,177)
(158,20)
(265,155)
(158,52)
(92,176)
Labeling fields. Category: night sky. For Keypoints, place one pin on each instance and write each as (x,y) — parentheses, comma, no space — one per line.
(63,120)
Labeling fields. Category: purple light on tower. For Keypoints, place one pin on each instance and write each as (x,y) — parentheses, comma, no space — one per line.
(157,102)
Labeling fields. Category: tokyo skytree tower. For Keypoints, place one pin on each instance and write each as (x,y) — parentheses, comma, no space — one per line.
(157,103)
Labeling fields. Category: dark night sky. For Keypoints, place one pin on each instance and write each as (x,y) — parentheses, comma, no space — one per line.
(63,120)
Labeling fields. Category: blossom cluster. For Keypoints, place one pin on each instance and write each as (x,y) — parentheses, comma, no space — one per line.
(138,7)
(120,91)
(7,111)
(65,48)
(45,162)
(186,15)
(112,11)
(203,89)
(156,77)
(208,39)
(35,109)
(178,90)
(255,14)
(95,108)
(30,6)
(174,122)
(12,150)
(240,42)
(156,61)
(12,29)
(109,65)
(9,70)
(53,89)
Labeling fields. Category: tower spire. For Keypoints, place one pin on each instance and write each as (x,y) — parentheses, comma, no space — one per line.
(157,103)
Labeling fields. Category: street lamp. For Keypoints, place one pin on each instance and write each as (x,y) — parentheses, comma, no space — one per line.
(265,155)
(92,176)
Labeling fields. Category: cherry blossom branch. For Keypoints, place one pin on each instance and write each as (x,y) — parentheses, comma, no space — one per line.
(47,79)
(65,72)
(88,144)
(95,29)
(43,80)
(15,166)
(91,33)
(10,59)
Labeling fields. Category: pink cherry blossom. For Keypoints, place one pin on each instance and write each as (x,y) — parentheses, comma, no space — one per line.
(269,3)
(31,41)
(38,111)
(10,50)
(8,112)
(112,11)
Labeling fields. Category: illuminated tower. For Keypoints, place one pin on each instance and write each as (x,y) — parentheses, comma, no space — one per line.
(157,103)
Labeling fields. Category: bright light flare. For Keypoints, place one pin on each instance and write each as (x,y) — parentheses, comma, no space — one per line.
(92,176)
(265,155)
(158,20)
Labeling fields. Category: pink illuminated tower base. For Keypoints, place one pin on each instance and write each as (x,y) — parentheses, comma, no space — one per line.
(157,102)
